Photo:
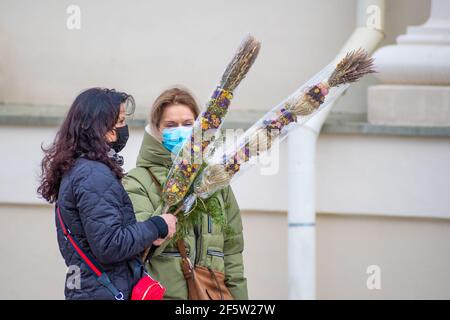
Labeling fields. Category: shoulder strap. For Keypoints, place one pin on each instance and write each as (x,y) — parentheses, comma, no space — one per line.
(158,185)
(148,252)
(101,276)
(186,264)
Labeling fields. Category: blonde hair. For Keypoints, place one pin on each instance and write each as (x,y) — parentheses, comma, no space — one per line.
(169,97)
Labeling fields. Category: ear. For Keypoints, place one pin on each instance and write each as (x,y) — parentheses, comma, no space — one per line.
(111,136)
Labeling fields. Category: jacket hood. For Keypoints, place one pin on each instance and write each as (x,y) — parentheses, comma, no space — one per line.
(152,152)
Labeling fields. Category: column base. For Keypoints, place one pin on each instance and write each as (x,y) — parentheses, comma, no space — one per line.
(409,105)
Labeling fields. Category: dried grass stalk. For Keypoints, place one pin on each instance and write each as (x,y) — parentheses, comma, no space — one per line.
(350,69)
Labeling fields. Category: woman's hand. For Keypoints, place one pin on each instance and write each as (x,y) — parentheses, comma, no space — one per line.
(158,242)
(171,221)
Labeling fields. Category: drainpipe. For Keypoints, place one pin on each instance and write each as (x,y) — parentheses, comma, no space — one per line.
(301,164)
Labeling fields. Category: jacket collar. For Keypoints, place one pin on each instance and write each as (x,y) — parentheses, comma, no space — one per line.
(153,153)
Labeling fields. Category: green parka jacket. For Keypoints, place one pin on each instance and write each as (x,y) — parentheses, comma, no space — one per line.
(206,244)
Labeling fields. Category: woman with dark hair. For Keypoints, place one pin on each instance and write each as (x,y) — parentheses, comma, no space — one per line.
(81,174)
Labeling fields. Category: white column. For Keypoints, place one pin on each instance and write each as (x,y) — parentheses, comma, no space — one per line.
(302,213)
(301,167)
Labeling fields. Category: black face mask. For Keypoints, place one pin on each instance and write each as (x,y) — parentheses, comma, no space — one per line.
(122,138)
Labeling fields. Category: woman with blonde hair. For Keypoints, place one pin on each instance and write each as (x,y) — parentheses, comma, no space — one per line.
(171,118)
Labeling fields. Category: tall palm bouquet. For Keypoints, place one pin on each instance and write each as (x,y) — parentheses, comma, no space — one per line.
(226,163)
(189,158)
(191,184)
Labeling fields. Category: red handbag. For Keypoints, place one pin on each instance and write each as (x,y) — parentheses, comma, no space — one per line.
(146,288)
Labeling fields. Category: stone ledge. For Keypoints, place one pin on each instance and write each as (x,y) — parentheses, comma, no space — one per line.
(337,123)
(409,105)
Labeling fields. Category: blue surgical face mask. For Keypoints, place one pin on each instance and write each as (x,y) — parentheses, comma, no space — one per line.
(173,138)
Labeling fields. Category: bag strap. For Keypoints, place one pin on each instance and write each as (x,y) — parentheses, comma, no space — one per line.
(186,264)
(148,252)
(188,271)
(101,276)
(155,181)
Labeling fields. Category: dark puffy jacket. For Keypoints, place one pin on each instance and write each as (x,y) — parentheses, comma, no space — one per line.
(99,213)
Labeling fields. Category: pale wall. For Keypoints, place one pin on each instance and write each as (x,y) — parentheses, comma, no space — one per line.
(145,46)
(412,253)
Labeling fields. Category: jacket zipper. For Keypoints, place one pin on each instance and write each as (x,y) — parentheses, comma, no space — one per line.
(209,224)
(195,245)
(198,243)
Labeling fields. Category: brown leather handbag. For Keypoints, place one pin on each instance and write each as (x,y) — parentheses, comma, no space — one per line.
(203,282)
